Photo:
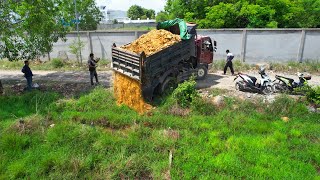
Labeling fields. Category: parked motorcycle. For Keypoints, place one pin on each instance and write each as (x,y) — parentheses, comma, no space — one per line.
(249,83)
(284,84)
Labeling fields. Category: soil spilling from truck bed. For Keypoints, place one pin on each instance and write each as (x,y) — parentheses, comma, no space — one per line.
(152,42)
(128,91)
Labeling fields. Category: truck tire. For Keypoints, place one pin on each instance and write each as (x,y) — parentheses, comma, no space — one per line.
(202,72)
(168,83)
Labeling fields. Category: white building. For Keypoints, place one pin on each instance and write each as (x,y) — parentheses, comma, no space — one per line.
(110,15)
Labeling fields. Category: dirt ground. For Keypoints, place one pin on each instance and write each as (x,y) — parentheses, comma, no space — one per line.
(81,80)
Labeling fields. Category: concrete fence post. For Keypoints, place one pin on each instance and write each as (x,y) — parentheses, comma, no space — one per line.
(301,46)
(90,42)
(243,45)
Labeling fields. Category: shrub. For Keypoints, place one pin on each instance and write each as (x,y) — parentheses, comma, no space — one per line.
(57,63)
(185,93)
(312,93)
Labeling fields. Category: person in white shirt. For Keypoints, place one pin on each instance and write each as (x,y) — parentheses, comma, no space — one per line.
(230,56)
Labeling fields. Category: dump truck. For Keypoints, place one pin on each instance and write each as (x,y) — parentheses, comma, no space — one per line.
(193,55)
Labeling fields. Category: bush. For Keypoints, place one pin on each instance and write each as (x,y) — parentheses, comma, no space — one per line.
(57,63)
(185,93)
(312,94)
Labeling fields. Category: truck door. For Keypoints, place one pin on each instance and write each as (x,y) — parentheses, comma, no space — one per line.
(206,55)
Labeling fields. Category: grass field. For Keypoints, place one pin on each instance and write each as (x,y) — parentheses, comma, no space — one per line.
(46,136)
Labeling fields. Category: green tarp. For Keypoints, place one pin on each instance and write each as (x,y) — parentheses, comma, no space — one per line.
(182,26)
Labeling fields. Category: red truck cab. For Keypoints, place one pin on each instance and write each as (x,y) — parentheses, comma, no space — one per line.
(204,50)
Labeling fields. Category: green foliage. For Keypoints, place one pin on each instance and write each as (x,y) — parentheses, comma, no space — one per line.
(29,103)
(93,138)
(247,14)
(202,106)
(135,12)
(185,93)
(162,16)
(57,63)
(238,66)
(293,66)
(312,93)
(89,13)
(76,47)
(28,30)
(284,106)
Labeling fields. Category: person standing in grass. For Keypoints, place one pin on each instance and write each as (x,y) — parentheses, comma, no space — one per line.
(229,64)
(27,74)
(1,88)
(92,64)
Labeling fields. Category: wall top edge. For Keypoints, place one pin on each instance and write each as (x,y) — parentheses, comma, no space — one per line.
(262,29)
(231,29)
(107,31)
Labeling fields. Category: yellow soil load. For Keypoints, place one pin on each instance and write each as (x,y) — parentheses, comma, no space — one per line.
(152,42)
(128,91)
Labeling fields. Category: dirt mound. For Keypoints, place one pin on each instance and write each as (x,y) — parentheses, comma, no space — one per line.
(128,91)
(152,42)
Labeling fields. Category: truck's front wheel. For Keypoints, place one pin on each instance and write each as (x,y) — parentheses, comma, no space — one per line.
(202,72)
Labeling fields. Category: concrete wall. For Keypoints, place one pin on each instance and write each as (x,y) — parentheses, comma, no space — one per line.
(251,46)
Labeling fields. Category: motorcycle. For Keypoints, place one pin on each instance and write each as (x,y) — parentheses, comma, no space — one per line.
(284,84)
(249,83)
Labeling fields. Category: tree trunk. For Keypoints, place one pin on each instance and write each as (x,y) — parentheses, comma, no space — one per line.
(49,58)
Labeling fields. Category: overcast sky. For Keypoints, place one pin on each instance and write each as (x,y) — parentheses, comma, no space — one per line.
(124,5)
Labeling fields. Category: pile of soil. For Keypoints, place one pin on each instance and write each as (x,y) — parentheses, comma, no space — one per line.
(128,91)
(152,42)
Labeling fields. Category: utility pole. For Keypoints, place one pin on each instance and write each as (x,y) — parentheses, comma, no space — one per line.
(77,22)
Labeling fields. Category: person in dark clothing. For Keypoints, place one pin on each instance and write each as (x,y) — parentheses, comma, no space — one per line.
(92,64)
(1,88)
(229,62)
(27,74)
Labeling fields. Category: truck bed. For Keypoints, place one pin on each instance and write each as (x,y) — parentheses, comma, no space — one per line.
(146,69)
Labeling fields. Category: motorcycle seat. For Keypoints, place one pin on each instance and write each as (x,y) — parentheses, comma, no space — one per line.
(289,79)
(254,79)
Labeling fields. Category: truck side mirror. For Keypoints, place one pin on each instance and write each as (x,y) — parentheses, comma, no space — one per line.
(215,43)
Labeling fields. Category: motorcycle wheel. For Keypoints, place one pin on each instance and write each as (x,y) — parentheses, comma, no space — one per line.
(280,87)
(238,86)
(267,90)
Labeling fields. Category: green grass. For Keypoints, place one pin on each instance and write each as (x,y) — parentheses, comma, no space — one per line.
(238,66)
(93,138)
(54,64)
(291,66)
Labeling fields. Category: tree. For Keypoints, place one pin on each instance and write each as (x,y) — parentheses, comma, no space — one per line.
(162,16)
(136,12)
(89,13)
(246,13)
(29,28)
